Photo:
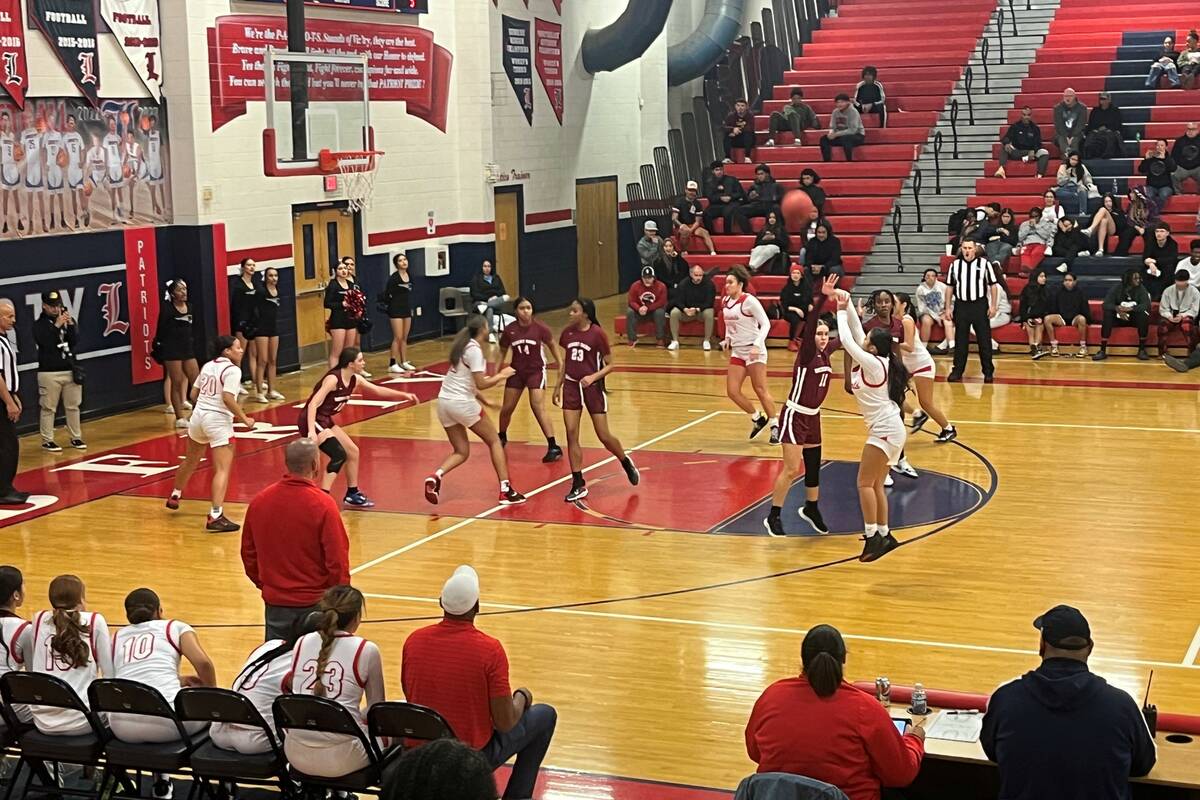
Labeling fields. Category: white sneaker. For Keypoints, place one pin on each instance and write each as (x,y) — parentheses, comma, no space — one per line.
(260,398)
(747,161)
(707,345)
(408,367)
(168,409)
(674,345)
(1063,267)
(187,404)
(887,481)
(727,161)
(243,390)
(492,338)
(395,369)
(904,468)
(770,143)
(273,395)
(181,423)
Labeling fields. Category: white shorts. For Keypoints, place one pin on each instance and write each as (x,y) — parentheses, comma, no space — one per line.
(140,729)
(458,412)
(920,365)
(325,755)
(210,427)
(239,738)
(740,355)
(889,436)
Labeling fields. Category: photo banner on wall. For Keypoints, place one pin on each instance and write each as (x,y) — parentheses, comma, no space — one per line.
(70,27)
(15,76)
(515,47)
(548,58)
(135,23)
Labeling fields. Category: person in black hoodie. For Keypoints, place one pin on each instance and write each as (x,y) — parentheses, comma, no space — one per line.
(796,300)
(739,131)
(1023,140)
(488,296)
(771,247)
(1069,243)
(671,267)
(724,194)
(1186,153)
(1159,168)
(1159,259)
(1127,305)
(809,180)
(823,254)
(1062,732)
(1104,135)
(763,197)
(1068,306)
(693,298)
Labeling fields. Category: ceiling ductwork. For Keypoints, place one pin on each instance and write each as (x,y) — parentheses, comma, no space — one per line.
(627,39)
(696,54)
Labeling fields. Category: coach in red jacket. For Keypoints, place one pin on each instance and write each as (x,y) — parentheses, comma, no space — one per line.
(821,727)
(294,545)
(647,300)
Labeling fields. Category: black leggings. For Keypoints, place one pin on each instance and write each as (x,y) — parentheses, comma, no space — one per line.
(1138,320)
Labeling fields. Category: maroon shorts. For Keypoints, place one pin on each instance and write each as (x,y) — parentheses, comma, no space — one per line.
(797,428)
(323,424)
(593,397)
(527,380)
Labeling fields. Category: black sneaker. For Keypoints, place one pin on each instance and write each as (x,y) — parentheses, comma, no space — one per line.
(221,524)
(876,547)
(358,500)
(759,423)
(948,435)
(919,419)
(79,444)
(163,789)
(552,454)
(774,526)
(433,485)
(578,492)
(1040,353)
(1177,364)
(954,377)
(511,497)
(1101,354)
(51,447)
(631,471)
(814,518)
(1142,355)
(774,438)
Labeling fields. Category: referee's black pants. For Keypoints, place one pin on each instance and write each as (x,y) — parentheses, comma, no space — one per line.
(968,316)
(10,450)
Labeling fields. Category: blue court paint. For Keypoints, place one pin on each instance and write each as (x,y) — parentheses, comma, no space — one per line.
(931,498)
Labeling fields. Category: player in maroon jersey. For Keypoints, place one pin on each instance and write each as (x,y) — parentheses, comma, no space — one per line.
(800,422)
(526,338)
(883,308)
(316,421)
(586,360)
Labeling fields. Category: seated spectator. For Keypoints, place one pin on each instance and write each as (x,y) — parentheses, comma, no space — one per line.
(1052,211)
(1069,244)
(1157,259)
(687,218)
(1031,312)
(963,225)
(797,117)
(647,300)
(985,219)
(1003,314)
(739,131)
(672,267)
(869,97)
(823,254)
(1139,219)
(1159,168)
(1069,121)
(1192,263)
(1034,237)
(1023,140)
(462,673)
(1000,237)
(1075,185)
(1127,305)
(819,726)
(930,298)
(444,769)
(1178,311)
(1106,222)
(16,633)
(809,184)
(763,197)
(1068,306)
(695,298)
(1186,153)
(1060,731)
(1104,135)
(1189,60)
(1164,64)
(845,129)
(771,246)
(650,246)
(489,296)
(796,300)
(724,194)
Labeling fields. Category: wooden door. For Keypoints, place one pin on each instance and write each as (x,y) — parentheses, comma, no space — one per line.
(320,238)
(508,241)
(596,226)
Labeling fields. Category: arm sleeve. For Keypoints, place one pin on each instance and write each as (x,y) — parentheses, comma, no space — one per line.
(336,546)
(1110,299)
(987,736)
(634,302)
(895,759)
(331,296)
(850,333)
(835,252)
(751,734)
(808,340)
(1143,301)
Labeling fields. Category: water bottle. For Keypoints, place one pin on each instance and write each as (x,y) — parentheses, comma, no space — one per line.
(883,692)
(1114,191)
(919,704)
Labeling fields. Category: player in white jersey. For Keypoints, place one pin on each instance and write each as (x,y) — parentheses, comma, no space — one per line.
(16,634)
(114,167)
(155,166)
(31,146)
(134,168)
(214,397)
(72,644)
(335,664)
(10,169)
(72,142)
(921,371)
(56,179)
(876,377)
(460,408)
(746,329)
(97,166)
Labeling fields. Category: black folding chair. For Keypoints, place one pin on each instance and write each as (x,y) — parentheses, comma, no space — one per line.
(320,715)
(132,699)
(212,763)
(399,721)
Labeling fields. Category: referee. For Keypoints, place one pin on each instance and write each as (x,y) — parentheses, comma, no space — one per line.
(971,281)
(10,383)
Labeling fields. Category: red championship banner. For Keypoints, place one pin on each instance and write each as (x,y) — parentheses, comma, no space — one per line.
(557,6)
(405,64)
(548,59)
(141,276)
(12,51)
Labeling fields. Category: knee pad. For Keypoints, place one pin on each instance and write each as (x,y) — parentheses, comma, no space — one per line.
(812,467)
(337,455)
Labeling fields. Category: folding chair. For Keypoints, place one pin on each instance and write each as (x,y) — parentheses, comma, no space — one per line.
(321,715)
(398,721)
(453,301)
(213,763)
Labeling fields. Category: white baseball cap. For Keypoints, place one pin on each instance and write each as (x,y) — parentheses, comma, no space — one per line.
(651,226)
(460,593)
(693,185)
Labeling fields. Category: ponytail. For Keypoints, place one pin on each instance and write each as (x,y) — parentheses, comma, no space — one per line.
(897,373)
(300,627)
(589,309)
(474,324)
(903,297)
(66,594)
(11,582)
(339,607)
(142,605)
(823,654)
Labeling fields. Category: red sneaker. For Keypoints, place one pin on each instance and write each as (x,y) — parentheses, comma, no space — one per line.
(173,502)
(433,485)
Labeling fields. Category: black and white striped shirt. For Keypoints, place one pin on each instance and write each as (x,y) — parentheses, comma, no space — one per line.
(971,280)
(8,365)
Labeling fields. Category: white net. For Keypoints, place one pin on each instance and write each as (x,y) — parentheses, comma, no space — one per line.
(358,179)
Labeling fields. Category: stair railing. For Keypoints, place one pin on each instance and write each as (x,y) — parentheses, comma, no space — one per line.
(917,179)
(999,34)
(984,49)
(897,222)
(954,124)
(968,80)
(937,162)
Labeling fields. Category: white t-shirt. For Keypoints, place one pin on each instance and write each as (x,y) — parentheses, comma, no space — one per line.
(217,377)
(459,384)
(57,721)
(149,653)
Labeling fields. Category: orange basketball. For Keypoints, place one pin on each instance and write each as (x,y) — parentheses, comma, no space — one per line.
(63,159)
(127,171)
(19,152)
(88,189)
(41,125)
(798,210)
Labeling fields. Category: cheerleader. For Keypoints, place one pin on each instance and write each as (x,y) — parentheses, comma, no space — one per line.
(211,426)
(876,377)
(919,364)
(177,347)
(397,297)
(242,304)
(460,408)
(746,329)
(586,361)
(341,326)
(800,422)
(266,336)
(884,316)
(330,396)
(335,664)
(529,340)
(16,634)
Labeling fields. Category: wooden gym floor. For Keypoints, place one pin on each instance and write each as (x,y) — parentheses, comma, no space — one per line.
(645,617)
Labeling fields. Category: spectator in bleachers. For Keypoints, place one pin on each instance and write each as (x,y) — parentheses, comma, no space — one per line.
(1076,189)
(489,296)
(1178,310)
(771,246)
(687,218)
(823,254)
(1159,168)
(444,769)
(1164,64)
(1138,220)
(1069,244)
(1104,135)
(1034,237)
(845,129)
(930,297)
(649,248)
(796,300)
(763,197)
(724,194)
(809,184)
(1031,312)
(797,116)
(695,298)
(1189,60)
(1127,305)
(1052,210)
(1068,306)
(1192,263)
(739,131)
(819,726)
(647,300)
(1069,120)
(1186,153)
(1023,140)
(1060,731)
(672,267)
(1000,237)
(1107,221)
(962,225)
(1161,253)
(869,97)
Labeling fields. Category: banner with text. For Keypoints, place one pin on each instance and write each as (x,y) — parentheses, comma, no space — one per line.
(515,47)
(70,27)
(141,276)
(404,64)
(548,58)
(135,23)
(12,51)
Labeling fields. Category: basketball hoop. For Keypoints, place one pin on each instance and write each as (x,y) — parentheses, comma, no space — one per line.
(358,169)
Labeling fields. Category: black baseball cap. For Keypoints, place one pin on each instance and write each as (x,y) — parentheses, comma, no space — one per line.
(1062,623)
(647,271)
(52,298)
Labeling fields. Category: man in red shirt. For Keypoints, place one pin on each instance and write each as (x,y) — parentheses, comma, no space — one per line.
(647,300)
(462,673)
(294,545)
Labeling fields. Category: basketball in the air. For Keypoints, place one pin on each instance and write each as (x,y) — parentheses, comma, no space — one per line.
(63,159)
(798,210)
(19,153)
